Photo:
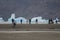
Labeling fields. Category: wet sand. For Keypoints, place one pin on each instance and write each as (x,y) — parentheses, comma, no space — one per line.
(31,27)
(30,36)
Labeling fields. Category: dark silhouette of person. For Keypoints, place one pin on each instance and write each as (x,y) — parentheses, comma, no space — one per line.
(29,21)
(13,22)
(56,21)
(36,20)
(50,21)
(21,21)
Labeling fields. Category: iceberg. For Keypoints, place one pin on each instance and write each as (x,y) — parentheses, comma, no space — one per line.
(18,20)
(40,20)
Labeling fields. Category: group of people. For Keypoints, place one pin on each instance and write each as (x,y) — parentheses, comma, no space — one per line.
(50,22)
(14,23)
(30,21)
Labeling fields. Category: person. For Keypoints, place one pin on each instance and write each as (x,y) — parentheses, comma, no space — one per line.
(36,20)
(29,21)
(13,22)
(21,21)
(56,21)
(50,21)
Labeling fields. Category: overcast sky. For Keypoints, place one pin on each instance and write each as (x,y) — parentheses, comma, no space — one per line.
(30,8)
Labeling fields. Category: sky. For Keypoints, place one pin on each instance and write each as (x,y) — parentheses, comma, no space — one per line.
(30,8)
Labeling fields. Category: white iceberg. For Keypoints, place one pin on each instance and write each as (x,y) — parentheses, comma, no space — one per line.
(18,20)
(12,17)
(1,19)
(40,20)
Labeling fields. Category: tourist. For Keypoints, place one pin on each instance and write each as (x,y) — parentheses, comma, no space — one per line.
(21,21)
(51,21)
(36,21)
(13,22)
(29,21)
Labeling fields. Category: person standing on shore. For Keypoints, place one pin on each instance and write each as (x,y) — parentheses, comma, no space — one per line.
(36,21)
(29,21)
(13,22)
(51,21)
(21,21)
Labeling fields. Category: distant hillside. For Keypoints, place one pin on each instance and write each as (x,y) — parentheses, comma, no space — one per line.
(30,8)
